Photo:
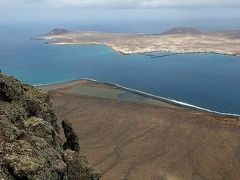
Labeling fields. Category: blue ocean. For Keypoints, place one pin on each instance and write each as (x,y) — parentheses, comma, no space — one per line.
(209,81)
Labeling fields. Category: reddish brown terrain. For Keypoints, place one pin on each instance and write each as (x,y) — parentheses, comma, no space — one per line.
(132,140)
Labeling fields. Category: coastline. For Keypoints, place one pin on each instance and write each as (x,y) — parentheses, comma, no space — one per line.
(174,52)
(176,103)
(116,135)
(176,40)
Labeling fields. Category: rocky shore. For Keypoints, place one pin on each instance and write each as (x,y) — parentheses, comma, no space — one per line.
(30,144)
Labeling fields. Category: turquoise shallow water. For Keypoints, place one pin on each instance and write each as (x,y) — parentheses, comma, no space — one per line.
(207,80)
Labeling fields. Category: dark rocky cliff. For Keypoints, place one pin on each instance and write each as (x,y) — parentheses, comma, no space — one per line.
(30,146)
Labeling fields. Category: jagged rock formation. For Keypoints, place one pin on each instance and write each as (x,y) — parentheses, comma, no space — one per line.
(71,137)
(30,146)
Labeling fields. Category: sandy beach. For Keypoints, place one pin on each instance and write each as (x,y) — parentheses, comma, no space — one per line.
(132,137)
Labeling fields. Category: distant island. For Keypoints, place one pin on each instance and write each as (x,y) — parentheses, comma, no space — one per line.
(176,40)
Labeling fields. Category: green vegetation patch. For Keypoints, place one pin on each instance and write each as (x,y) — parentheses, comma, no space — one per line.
(156,102)
(128,96)
(115,94)
(97,92)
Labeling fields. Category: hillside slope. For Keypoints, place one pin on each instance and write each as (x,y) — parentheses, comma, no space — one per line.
(127,137)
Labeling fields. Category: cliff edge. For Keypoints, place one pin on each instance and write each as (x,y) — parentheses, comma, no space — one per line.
(30,146)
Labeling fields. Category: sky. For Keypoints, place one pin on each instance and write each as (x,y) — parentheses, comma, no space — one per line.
(37,11)
(121,3)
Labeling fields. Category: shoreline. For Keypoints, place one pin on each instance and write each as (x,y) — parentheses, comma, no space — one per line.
(176,40)
(144,94)
(144,52)
(117,134)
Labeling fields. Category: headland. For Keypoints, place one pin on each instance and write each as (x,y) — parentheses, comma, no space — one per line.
(130,136)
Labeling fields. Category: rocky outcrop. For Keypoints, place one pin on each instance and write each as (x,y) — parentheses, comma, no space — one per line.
(71,137)
(30,146)
(75,160)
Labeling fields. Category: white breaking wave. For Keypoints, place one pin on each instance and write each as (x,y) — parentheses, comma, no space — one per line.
(151,96)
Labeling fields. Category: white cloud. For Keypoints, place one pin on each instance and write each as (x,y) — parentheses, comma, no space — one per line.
(126,3)
(2,2)
(144,3)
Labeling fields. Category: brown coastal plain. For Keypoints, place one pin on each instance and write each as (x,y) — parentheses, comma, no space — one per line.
(141,138)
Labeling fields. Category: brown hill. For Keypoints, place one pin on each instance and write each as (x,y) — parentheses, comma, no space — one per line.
(182,30)
(233,33)
(58,32)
